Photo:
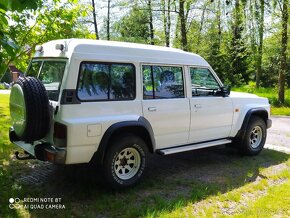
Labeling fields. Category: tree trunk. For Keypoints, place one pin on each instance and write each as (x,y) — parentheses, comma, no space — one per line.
(260,48)
(282,71)
(219,24)
(150,22)
(95,20)
(108,20)
(200,27)
(237,45)
(182,26)
(166,21)
(168,24)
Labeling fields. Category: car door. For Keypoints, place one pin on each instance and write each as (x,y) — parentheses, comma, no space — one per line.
(211,114)
(165,104)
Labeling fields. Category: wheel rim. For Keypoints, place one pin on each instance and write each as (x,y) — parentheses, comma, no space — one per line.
(127,163)
(17,109)
(256,136)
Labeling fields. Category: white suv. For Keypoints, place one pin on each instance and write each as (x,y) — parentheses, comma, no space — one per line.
(111,103)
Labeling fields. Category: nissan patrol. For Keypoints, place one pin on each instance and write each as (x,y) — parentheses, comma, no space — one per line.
(111,103)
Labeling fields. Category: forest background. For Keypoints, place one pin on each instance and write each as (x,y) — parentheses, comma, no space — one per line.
(245,41)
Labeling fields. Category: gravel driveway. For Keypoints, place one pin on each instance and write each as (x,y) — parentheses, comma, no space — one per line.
(279,134)
(5,91)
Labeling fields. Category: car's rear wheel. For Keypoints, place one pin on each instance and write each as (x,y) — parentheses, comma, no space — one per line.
(254,139)
(125,162)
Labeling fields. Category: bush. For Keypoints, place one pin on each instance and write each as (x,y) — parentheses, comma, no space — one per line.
(2,86)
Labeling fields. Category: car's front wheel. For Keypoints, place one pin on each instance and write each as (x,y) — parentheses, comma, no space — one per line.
(254,139)
(125,161)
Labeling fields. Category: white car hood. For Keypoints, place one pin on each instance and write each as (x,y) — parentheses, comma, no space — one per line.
(242,95)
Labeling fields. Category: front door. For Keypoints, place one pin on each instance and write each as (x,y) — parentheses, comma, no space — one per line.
(211,114)
(165,105)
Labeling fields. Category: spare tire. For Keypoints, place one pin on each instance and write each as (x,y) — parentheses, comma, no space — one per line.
(29,109)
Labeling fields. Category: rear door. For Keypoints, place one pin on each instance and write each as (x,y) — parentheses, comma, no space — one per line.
(165,104)
(211,114)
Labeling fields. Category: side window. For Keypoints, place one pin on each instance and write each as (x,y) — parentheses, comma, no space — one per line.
(203,82)
(122,82)
(162,82)
(105,81)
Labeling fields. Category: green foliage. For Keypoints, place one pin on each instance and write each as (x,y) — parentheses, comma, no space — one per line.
(8,45)
(134,26)
(7,77)
(2,86)
(52,21)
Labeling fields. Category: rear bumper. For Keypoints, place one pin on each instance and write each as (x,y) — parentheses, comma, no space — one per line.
(40,150)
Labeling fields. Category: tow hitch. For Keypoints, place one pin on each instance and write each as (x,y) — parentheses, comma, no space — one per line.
(25,156)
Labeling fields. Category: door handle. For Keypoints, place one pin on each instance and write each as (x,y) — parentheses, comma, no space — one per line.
(197,105)
(152,108)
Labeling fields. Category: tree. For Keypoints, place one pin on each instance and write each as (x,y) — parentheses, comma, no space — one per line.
(134,27)
(238,51)
(260,20)
(151,29)
(166,20)
(8,46)
(108,19)
(51,21)
(95,20)
(182,18)
(283,58)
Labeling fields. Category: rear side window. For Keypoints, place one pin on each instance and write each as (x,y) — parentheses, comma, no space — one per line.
(162,82)
(106,81)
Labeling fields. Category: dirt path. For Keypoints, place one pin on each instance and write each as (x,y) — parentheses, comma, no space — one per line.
(279,134)
(4,91)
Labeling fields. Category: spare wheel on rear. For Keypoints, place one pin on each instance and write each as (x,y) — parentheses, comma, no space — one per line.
(29,109)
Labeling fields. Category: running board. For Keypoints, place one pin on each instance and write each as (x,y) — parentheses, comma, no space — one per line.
(193,146)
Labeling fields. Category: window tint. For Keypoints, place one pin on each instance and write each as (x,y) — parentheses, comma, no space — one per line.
(34,68)
(105,81)
(162,82)
(203,82)
(122,82)
(50,72)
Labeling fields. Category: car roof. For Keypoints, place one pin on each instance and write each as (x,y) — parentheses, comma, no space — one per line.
(122,51)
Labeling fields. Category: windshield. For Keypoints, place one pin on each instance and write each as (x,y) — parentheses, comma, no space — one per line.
(50,72)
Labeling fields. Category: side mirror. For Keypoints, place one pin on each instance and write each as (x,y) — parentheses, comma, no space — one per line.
(225,90)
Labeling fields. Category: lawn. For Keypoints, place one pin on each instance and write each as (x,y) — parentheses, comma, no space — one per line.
(271,94)
(215,182)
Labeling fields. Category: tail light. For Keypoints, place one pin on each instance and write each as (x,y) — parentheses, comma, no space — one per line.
(60,134)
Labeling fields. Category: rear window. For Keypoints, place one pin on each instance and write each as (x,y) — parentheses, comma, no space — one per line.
(106,81)
(50,72)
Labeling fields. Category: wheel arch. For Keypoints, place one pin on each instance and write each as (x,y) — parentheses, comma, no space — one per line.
(141,128)
(259,112)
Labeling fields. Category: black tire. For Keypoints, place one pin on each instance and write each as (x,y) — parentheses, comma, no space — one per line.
(112,162)
(29,109)
(254,139)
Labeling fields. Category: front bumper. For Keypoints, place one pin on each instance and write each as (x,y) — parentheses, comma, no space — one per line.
(40,150)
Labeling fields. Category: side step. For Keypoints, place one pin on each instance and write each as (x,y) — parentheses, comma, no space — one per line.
(193,146)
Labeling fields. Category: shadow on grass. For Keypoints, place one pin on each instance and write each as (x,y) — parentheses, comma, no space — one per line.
(170,182)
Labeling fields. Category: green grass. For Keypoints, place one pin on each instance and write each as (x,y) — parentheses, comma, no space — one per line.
(272,94)
(209,183)
(5,148)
